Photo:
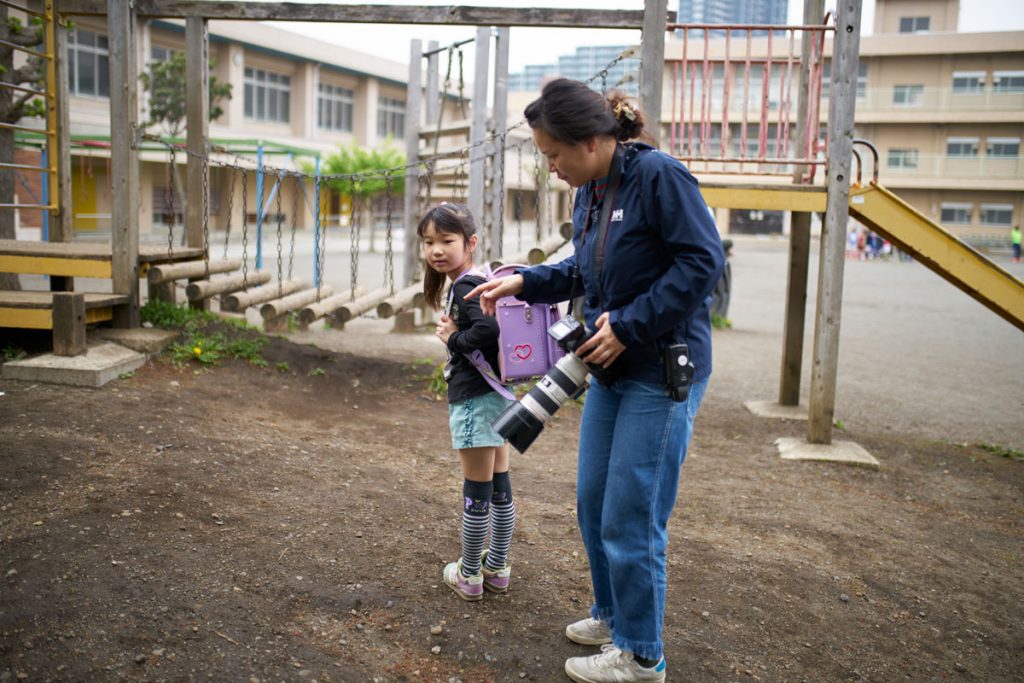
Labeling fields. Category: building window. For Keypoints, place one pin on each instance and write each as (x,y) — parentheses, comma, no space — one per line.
(914,24)
(996,214)
(88,64)
(390,117)
(1002,147)
(907,95)
(962,147)
(968,82)
(267,95)
(161,54)
(1008,81)
(956,213)
(334,108)
(862,78)
(903,158)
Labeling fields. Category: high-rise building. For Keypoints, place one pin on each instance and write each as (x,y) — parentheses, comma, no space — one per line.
(585,65)
(732,12)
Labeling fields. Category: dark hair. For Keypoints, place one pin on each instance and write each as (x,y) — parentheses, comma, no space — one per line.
(449,218)
(570,112)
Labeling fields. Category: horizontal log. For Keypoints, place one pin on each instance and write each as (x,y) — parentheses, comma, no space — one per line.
(506,260)
(361,305)
(371,14)
(278,307)
(566,230)
(258,295)
(179,271)
(315,311)
(411,296)
(540,253)
(204,289)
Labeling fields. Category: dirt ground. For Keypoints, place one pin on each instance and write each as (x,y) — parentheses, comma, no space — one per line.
(248,524)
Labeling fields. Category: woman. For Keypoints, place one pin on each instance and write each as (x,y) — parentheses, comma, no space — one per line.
(645,264)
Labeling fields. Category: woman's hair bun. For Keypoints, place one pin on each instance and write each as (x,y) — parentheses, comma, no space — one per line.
(629,118)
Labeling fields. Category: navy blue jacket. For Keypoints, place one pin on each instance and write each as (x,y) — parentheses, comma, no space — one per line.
(475,331)
(662,258)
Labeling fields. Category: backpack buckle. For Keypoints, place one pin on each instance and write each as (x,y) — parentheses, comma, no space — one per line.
(528,314)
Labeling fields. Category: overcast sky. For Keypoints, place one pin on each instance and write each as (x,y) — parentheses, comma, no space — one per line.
(541,46)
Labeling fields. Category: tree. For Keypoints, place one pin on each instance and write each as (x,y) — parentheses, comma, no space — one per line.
(368,167)
(165,83)
(15,107)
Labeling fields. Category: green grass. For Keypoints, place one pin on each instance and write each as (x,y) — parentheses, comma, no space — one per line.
(168,316)
(434,376)
(201,345)
(1002,451)
(720,323)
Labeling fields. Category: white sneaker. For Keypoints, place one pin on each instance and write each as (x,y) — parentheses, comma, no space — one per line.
(589,632)
(612,666)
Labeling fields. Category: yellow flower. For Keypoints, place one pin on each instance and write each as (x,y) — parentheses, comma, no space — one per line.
(197,350)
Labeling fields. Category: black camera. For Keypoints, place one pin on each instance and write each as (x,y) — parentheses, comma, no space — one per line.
(523,421)
(678,371)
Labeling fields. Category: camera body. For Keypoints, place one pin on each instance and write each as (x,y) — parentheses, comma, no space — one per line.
(522,422)
(678,369)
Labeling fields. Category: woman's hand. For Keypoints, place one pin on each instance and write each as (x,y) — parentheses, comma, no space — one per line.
(604,347)
(445,328)
(492,290)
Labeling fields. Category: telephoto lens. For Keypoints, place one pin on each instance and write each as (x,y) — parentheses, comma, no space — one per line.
(522,422)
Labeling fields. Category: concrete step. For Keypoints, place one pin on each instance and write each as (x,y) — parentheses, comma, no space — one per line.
(101,363)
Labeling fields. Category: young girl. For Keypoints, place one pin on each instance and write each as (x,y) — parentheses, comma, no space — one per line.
(449,238)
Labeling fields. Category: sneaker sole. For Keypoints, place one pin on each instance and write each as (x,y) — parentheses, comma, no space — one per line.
(495,589)
(580,678)
(469,597)
(584,640)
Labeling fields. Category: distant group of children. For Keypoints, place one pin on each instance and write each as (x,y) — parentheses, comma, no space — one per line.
(866,245)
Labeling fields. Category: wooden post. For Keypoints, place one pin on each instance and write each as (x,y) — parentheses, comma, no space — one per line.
(69,324)
(412,155)
(498,157)
(652,65)
(124,160)
(799,233)
(197,105)
(833,241)
(61,226)
(478,129)
(433,105)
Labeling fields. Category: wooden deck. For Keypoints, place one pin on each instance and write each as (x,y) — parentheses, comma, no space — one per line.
(81,259)
(34,310)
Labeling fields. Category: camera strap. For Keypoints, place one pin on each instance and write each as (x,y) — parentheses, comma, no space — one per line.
(604,218)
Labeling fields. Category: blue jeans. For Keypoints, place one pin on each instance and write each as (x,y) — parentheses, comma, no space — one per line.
(633,440)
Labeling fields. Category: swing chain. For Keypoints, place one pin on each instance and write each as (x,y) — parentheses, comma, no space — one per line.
(295,220)
(245,231)
(231,206)
(280,257)
(353,235)
(323,241)
(389,253)
(169,200)
(499,162)
(536,191)
(206,216)
(519,199)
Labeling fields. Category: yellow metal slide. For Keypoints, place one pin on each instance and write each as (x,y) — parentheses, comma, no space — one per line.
(901,224)
(914,233)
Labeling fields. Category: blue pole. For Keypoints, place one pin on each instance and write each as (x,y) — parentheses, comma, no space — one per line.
(259,207)
(46,199)
(316,225)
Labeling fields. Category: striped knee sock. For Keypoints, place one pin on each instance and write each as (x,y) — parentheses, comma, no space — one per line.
(503,521)
(476,496)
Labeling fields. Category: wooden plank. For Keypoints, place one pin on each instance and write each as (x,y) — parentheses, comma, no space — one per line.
(500,113)
(61,228)
(841,109)
(197,71)
(180,271)
(39,300)
(278,307)
(432,92)
(122,27)
(68,324)
(42,318)
(372,14)
(46,265)
(411,296)
(204,289)
(258,295)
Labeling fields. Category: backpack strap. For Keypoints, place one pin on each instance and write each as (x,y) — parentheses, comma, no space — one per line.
(476,356)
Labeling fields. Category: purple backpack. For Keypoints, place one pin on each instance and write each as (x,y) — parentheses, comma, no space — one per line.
(525,350)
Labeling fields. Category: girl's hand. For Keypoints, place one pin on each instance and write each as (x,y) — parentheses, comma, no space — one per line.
(604,347)
(492,290)
(445,329)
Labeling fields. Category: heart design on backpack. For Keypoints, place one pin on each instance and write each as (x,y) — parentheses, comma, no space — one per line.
(522,351)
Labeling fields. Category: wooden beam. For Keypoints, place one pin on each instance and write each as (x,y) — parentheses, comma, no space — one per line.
(500,111)
(122,27)
(68,324)
(794,320)
(61,227)
(197,80)
(845,50)
(455,15)
(652,65)
(478,133)
(410,206)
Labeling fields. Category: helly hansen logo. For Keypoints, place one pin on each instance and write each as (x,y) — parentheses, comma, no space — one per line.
(616,216)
